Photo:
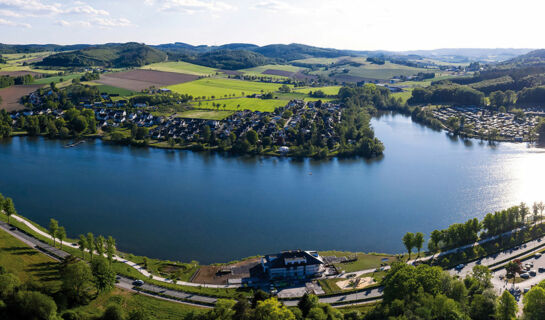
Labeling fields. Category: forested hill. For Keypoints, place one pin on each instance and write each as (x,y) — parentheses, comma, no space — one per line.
(109,55)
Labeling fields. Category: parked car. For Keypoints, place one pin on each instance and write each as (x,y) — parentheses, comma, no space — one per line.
(537,255)
(526,290)
(533,273)
(460,266)
(138,283)
(541,269)
(525,276)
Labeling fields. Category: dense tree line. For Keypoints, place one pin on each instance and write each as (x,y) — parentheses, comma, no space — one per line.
(447,93)
(8,81)
(5,124)
(90,76)
(73,123)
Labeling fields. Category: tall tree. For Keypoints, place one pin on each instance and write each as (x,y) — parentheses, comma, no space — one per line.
(419,241)
(82,243)
(435,238)
(99,245)
(61,234)
(534,304)
(91,244)
(408,241)
(76,281)
(104,276)
(507,307)
(53,227)
(110,248)
(9,207)
(512,268)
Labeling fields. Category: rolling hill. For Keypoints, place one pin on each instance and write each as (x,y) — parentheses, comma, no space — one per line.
(109,55)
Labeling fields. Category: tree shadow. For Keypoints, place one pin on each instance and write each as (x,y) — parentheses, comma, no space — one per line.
(20,250)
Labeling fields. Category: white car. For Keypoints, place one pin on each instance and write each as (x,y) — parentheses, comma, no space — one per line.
(537,255)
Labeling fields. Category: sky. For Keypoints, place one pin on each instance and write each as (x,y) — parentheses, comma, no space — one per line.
(343,24)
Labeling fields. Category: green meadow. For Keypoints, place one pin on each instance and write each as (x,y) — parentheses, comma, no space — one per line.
(205,114)
(371,71)
(181,67)
(215,88)
(239,104)
(57,79)
(330,90)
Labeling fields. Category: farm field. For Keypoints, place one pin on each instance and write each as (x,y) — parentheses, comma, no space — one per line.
(219,88)
(319,60)
(138,80)
(181,67)
(404,95)
(276,71)
(330,90)
(367,71)
(205,114)
(239,104)
(12,95)
(57,79)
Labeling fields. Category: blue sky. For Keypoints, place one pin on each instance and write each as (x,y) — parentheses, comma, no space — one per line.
(343,24)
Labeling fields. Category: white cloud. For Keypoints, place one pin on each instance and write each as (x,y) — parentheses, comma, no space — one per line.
(42,8)
(9,13)
(192,6)
(96,22)
(4,22)
(278,6)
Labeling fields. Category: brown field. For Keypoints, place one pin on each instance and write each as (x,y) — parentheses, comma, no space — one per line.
(137,80)
(12,95)
(301,76)
(20,73)
(281,73)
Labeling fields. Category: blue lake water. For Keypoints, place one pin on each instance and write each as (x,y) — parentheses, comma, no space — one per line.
(182,205)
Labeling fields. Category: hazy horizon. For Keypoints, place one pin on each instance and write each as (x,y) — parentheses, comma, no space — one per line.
(346,24)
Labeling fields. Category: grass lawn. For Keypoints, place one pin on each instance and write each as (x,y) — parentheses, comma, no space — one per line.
(371,71)
(27,263)
(156,308)
(238,104)
(103,88)
(181,67)
(330,90)
(223,88)
(364,261)
(205,114)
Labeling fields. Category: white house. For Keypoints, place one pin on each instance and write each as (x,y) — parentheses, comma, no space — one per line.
(295,264)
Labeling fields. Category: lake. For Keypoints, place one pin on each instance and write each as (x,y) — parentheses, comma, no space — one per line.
(182,205)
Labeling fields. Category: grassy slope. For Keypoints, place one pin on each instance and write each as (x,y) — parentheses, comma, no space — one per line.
(318,60)
(282,67)
(373,71)
(28,264)
(221,87)
(181,67)
(365,260)
(57,79)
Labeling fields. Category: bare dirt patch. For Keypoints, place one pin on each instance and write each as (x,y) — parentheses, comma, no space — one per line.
(12,95)
(221,274)
(137,80)
(357,283)
(281,73)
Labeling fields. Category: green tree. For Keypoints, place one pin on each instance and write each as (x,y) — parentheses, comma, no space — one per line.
(483,306)
(408,241)
(82,243)
(9,207)
(512,268)
(91,244)
(53,227)
(113,312)
(307,302)
(36,305)
(77,281)
(506,307)
(99,246)
(435,238)
(61,234)
(271,309)
(534,304)
(104,275)
(252,137)
(138,314)
(418,241)
(110,248)
(223,310)
(8,285)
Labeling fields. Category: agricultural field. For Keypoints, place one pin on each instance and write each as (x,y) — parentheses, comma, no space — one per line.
(239,104)
(319,60)
(212,88)
(181,67)
(139,79)
(276,71)
(367,71)
(404,95)
(205,114)
(330,90)
(57,79)
(12,95)
(102,88)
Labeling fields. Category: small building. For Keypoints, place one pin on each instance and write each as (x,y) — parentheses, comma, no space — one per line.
(284,149)
(295,264)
